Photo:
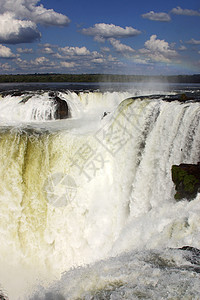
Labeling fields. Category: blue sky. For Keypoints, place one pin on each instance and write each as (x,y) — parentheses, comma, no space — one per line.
(107,36)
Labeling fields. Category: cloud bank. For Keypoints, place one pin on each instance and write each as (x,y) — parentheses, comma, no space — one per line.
(74,59)
(19,21)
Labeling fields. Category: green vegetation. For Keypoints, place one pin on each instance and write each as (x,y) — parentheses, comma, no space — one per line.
(97,78)
(186,181)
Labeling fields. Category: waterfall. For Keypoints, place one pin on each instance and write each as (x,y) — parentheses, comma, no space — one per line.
(93,186)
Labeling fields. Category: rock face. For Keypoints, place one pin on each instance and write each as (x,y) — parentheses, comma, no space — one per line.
(62,109)
(186,178)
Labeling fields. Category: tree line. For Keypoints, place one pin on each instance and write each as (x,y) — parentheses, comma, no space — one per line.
(96,78)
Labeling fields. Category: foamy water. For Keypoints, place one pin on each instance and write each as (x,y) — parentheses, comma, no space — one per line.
(87,203)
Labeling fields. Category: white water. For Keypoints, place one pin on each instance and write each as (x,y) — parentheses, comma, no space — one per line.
(85,189)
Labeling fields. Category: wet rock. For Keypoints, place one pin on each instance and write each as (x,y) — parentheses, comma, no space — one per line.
(105,114)
(25,99)
(186,178)
(182,98)
(17,93)
(12,93)
(194,251)
(62,109)
(193,256)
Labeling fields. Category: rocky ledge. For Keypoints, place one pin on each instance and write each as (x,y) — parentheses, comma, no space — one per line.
(62,109)
(186,178)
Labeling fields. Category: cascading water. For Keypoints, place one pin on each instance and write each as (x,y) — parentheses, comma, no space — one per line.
(91,197)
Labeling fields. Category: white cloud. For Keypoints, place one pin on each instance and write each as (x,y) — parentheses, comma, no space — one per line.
(39,63)
(67,64)
(94,61)
(15,31)
(47,50)
(140,60)
(182,48)
(71,51)
(6,67)
(161,16)
(80,58)
(98,60)
(72,59)
(40,60)
(158,50)
(155,44)
(112,58)
(105,49)
(25,50)
(118,46)
(19,61)
(102,31)
(99,39)
(6,52)
(193,42)
(48,17)
(19,19)
(76,56)
(48,45)
(186,12)
(28,9)
(59,56)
